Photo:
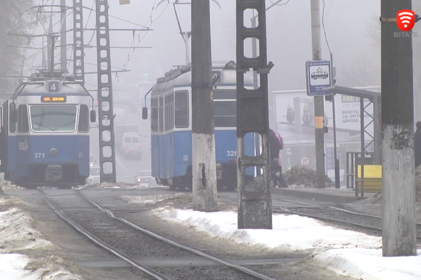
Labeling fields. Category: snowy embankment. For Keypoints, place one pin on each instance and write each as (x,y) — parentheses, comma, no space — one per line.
(343,251)
(21,247)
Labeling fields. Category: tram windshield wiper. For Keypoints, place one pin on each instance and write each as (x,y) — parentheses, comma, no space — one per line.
(66,124)
(43,125)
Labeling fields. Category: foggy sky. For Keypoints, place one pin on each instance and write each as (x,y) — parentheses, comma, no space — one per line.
(347,24)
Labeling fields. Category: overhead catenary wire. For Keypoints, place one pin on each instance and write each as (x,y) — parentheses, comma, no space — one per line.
(144,36)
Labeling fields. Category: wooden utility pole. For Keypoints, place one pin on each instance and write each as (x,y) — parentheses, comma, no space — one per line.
(204,159)
(318,100)
(398,183)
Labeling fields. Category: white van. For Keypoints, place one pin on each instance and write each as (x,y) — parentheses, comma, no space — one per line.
(130,145)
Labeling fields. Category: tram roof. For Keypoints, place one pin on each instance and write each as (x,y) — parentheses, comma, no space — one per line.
(182,76)
(38,85)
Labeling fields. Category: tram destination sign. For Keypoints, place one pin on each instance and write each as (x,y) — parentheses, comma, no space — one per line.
(53,99)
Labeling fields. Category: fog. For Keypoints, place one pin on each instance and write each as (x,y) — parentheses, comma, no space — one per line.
(347,25)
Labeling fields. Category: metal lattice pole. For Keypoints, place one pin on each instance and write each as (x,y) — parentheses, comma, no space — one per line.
(105,95)
(255,202)
(78,47)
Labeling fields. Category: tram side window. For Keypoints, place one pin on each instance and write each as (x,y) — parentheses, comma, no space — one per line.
(167,103)
(161,114)
(23,124)
(12,126)
(181,117)
(172,112)
(84,118)
(154,115)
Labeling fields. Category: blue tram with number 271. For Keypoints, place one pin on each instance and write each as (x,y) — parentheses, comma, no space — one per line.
(171,127)
(45,132)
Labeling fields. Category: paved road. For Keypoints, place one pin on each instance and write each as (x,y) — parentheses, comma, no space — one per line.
(127,168)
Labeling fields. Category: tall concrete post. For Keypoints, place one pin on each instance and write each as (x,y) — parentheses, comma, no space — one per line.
(318,100)
(63,36)
(398,182)
(204,158)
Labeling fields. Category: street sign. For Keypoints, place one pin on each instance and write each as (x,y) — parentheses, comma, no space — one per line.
(318,77)
(124,2)
(305,161)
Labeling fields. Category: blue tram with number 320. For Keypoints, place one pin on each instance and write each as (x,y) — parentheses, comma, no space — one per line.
(45,132)
(171,127)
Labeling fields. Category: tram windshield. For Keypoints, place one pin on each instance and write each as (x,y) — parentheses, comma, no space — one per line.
(53,117)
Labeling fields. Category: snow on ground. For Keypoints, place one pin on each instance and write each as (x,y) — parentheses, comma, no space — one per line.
(19,240)
(370,265)
(149,199)
(290,232)
(343,251)
(120,185)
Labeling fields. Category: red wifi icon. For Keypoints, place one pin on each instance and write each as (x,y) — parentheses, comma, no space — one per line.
(405,19)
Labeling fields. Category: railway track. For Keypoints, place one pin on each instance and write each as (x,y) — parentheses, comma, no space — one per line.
(103,228)
(336,215)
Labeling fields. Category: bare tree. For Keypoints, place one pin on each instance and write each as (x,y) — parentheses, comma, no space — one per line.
(17,17)
(365,71)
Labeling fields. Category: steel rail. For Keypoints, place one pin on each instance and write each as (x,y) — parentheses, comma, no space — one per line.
(288,211)
(102,244)
(170,242)
(339,209)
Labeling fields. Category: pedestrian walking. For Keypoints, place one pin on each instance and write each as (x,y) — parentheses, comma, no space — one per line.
(417,145)
(275,146)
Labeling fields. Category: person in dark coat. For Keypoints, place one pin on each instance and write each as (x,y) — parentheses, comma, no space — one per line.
(274,148)
(417,145)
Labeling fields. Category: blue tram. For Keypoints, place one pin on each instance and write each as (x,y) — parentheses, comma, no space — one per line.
(45,132)
(171,127)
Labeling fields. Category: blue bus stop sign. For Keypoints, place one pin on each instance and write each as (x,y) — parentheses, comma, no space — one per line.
(318,77)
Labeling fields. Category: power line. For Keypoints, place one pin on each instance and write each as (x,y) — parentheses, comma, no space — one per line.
(141,39)
(323,26)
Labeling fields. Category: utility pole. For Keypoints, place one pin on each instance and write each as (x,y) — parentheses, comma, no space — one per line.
(255,202)
(44,61)
(272,106)
(256,86)
(78,45)
(49,43)
(105,95)
(63,36)
(318,100)
(184,35)
(398,182)
(203,140)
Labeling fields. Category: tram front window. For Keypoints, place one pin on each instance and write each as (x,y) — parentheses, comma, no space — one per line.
(53,117)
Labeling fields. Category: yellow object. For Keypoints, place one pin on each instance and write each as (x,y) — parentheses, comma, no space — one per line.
(370,171)
(372,178)
(318,122)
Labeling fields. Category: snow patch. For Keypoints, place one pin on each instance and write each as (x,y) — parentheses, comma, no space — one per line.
(370,265)
(106,185)
(290,232)
(12,267)
(17,234)
(149,199)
